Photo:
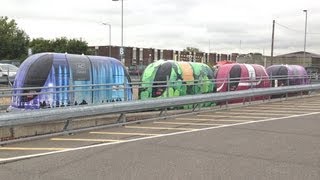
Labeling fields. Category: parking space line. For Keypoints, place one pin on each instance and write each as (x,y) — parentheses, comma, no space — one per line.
(88,140)
(120,133)
(270,111)
(185,123)
(289,107)
(300,102)
(6,160)
(293,108)
(226,116)
(31,149)
(258,113)
(197,119)
(160,128)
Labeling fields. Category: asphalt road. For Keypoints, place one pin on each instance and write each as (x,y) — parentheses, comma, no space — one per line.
(272,147)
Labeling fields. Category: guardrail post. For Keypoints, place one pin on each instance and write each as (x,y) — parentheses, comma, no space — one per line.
(228,89)
(125,94)
(195,106)
(251,84)
(11,132)
(66,125)
(122,118)
(288,82)
(163,112)
(269,98)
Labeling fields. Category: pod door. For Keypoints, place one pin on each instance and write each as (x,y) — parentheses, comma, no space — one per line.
(81,79)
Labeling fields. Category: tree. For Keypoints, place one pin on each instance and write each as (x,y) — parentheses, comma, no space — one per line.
(39,45)
(77,46)
(13,41)
(60,45)
(191,49)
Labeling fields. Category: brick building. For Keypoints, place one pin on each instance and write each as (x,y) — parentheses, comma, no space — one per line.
(144,56)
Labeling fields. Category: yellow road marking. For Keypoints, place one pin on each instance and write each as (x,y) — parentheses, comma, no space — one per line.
(295,105)
(183,123)
(89,140)
(293,108)
(32,149)
(297,102)
(120,133)
(268,110)
(259,113)
(160,128)
(226,116)
(290,108)
(190,119)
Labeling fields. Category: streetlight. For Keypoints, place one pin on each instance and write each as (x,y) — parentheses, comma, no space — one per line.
(305,37)
(121,49)
(107,24)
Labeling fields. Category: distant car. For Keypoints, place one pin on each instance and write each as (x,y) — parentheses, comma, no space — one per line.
(7,71)
(13,62)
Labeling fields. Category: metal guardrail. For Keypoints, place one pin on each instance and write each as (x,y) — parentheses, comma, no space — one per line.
(7,92)
(48,115)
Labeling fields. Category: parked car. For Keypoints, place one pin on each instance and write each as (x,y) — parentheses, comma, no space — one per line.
(13,62)
(7,72)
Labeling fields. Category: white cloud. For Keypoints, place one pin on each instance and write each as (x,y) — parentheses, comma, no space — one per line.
(171,24)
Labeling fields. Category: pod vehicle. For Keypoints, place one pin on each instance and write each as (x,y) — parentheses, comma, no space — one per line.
(49,80)
(235,77)
(176,78)
(287,75)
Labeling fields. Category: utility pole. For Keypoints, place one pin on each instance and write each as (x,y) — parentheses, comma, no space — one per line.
(305,38)
(272,41)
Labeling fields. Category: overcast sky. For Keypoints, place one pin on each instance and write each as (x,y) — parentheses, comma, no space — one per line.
(222,26)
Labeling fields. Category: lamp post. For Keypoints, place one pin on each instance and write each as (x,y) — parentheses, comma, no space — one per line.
(121,50)
(107,24)
(305,37)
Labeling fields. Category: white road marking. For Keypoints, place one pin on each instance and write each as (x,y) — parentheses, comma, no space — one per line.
(6,160)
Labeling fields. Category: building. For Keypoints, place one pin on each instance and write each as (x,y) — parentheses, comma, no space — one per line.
(311,59)
(144,56)
(297,58)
